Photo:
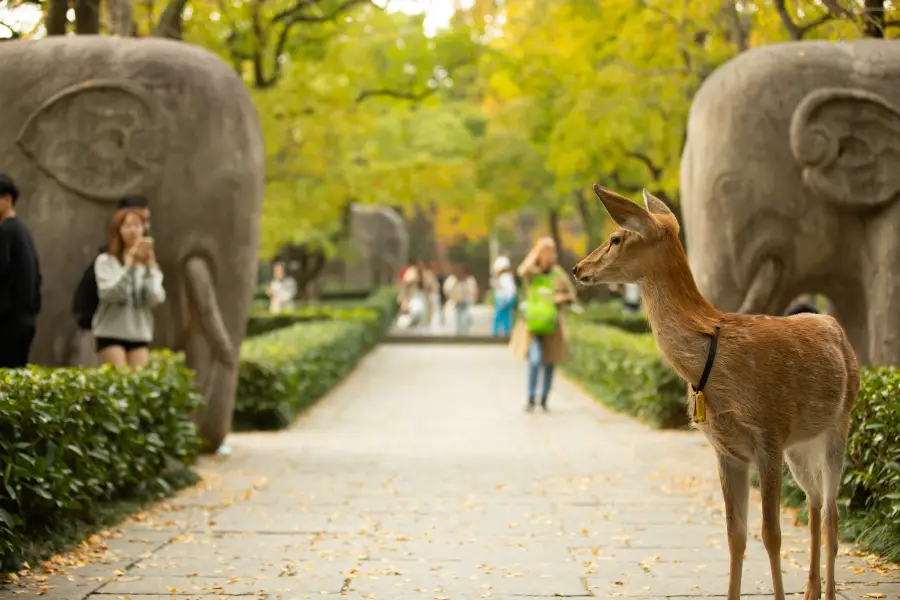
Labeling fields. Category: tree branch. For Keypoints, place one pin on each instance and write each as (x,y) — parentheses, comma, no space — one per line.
(803,29)
(621,185)
(289,18)
(169,25)
(399,95)
(796,31)
(14,35)
(655,171)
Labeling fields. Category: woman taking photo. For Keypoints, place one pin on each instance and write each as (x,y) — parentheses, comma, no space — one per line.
(129,285)
(539,333)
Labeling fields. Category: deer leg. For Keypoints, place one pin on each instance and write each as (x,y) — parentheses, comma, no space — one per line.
(735,479)
(770,471)
(834,464)
(809,478)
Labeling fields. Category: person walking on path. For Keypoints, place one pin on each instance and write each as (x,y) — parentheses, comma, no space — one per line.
(440,271)
(129,285)
(504,286)
(20,281)
(430,287)
(539,335)
(462,290)
(413,300)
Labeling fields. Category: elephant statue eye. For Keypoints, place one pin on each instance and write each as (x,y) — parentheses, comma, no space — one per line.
(615,240)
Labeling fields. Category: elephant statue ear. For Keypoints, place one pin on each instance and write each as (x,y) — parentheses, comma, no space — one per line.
(847,144)
(102,139)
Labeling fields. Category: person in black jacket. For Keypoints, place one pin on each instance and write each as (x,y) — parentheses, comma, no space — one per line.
(20,281)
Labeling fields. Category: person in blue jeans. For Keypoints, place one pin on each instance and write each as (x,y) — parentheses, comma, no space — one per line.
(504,286)
(543,353)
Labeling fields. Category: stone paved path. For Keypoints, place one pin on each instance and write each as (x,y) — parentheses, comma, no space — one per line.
(421,477)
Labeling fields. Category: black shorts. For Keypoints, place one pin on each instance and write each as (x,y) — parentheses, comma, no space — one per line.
(104,342)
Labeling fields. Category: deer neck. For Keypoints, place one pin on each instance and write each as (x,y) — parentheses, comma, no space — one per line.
(680,317)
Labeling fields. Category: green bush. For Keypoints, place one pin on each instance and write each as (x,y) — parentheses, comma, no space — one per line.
(73,438)
(286,370)
(611,313)
(870,489)
(262,322)
(382,300)
(627,372)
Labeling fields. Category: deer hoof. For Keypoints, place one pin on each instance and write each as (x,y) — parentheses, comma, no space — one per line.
(813,590)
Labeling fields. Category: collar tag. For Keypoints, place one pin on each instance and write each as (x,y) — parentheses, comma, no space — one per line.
(699,399)
(699,407)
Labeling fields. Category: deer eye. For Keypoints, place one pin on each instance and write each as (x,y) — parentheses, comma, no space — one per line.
(615,240)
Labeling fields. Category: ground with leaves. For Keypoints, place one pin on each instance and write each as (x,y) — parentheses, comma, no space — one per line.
(422,477)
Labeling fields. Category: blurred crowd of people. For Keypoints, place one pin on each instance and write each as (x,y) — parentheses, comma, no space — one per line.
(428,292)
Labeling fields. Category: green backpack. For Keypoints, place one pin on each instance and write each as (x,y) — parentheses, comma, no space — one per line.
(540,305)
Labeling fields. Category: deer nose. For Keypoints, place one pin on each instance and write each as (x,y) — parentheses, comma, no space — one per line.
(575,270)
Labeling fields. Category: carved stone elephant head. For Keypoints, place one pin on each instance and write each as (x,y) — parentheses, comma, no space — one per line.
(87,120)
(380,245)
(790,182)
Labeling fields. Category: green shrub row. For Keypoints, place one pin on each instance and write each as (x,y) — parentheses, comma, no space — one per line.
(870,489)
(289,367)
(382,300)
(286,370)
(611,313)
(627,372)
(71,439)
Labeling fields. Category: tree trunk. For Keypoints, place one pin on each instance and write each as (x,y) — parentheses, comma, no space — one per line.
(553,220)
(170,23)
(120,17)
(57,20)
(873,16)
(586,223)
(87,17)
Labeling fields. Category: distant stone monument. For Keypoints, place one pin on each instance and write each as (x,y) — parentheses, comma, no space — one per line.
(790,185)
(379,247)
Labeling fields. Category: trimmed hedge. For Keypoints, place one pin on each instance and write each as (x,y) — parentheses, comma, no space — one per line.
(72,439)
(627,372)
(262,322)
(285,371)
(870,489)
(611,313)
(384,301)
(302,355)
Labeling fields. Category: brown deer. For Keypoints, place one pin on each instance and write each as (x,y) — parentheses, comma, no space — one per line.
(767,388)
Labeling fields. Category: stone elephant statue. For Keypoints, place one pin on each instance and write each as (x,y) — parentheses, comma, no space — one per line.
(87,120)
(380,246)
(790,180)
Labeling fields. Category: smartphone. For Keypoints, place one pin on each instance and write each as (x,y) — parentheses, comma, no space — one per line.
(148,240)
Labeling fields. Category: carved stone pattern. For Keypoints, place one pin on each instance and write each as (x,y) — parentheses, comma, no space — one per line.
(848,144)
(98,141)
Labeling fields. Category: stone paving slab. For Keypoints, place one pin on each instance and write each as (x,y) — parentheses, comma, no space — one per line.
(423,478)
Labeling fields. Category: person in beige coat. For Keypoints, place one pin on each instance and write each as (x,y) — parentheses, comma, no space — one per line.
(542,353)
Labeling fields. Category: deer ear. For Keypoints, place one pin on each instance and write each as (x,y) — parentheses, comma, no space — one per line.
(655,205)
(627,214)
